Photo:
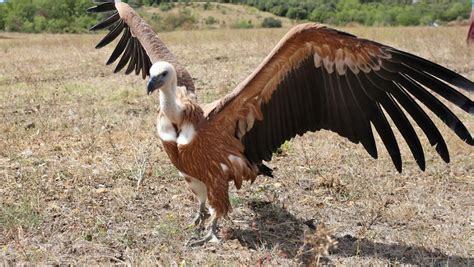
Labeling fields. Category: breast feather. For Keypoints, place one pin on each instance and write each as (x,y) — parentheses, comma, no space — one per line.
(166,130)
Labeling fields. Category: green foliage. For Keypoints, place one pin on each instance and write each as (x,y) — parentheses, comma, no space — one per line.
(135,3)
(242,24)
(46,16)
(297,13)
(24,214)
(165,6)
(271,23)
(279,10)
(2,16)
(70,15)
(211,20)
(365,12)
(207,5)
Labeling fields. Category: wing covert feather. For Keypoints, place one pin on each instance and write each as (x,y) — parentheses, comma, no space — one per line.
(319,78)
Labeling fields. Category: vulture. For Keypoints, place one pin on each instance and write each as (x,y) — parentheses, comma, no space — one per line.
(315,78)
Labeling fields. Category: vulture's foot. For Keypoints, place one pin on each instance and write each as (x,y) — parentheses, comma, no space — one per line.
(211,236)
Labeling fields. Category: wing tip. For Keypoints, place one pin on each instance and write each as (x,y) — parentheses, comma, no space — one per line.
(92,9)
(469,141)
(421,164)
(397,160)
(398,166)
(469,108)
(102,7)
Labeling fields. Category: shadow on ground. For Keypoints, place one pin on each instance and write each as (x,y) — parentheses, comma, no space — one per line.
(274,227)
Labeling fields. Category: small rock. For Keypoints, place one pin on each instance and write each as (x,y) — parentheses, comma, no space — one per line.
(27,152)
(30,126)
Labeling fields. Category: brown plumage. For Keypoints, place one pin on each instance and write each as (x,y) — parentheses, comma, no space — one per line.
(315,78)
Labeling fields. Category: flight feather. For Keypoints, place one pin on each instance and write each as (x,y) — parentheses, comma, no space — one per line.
(139,46)
(320,78)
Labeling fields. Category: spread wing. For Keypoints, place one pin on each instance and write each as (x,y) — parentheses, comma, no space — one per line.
(319,78)
(139,46)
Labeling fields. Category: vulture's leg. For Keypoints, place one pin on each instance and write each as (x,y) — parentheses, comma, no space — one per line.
(201,215)
(200,191)
(211,235)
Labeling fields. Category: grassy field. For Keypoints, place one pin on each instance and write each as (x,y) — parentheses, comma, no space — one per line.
(76,139)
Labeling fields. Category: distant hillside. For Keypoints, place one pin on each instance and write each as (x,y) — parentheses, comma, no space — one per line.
(202,15)
(364,12)
(167,15)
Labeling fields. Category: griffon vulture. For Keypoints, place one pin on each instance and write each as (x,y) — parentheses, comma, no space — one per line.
(315,78)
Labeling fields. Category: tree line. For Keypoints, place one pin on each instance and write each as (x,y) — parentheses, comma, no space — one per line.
(46,16)
(70,15)
(366,12)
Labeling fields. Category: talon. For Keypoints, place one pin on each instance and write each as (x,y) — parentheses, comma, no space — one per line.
(199,219)
(211,236)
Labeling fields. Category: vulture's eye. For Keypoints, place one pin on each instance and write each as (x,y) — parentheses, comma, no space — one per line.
(165,73)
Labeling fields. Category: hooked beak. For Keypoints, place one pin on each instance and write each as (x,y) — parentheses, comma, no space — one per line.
(154,83)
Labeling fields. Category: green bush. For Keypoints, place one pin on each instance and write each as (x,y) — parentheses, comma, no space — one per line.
(453,12)
(40,23)
(58,25)
(207,6)
(296,13)
(242,24)
(81,24)
(408,17)
(279,10)
(211,20)
(426,20)
(13,23)
(165,6)
(271,23)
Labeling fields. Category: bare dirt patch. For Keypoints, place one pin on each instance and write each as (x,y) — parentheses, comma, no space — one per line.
(75,139)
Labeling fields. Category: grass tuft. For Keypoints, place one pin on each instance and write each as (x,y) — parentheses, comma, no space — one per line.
(23,214)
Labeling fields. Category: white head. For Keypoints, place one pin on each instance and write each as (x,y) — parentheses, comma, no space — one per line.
(162,76)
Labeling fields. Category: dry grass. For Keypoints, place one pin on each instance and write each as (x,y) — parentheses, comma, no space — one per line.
(75,140)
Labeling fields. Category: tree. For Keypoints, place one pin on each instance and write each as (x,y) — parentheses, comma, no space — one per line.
(296,13)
